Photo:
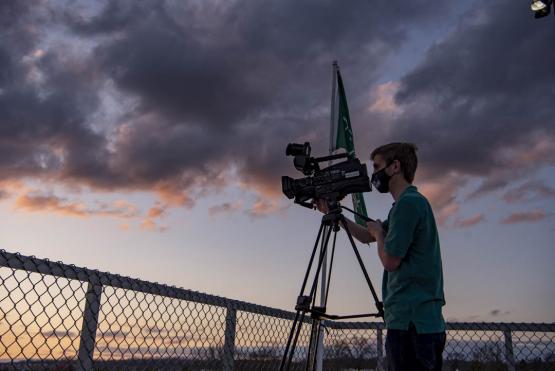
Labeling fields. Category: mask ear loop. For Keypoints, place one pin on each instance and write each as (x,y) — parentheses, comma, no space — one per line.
(389,163)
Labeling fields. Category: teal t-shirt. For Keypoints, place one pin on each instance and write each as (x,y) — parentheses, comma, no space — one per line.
(413,292)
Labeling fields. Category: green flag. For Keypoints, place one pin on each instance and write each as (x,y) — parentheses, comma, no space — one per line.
(343,138)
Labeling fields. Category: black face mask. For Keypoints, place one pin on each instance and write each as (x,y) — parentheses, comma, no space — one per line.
(380,180)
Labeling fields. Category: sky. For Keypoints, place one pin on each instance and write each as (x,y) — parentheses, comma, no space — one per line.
(148,139)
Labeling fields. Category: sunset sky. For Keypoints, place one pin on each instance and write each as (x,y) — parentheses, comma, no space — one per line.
(148,139)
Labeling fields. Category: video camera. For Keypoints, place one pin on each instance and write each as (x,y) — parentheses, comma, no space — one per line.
(332,183)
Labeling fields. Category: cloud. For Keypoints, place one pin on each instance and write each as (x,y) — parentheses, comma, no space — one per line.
(525,217)
(225,208)
(37,202)
(383,99)
(149,224)
(470,222)
(199,93)
(480,102)
(42,203)
(529,191)
(442,194)
(151,220)
(156,211)
(264,207)
(4,194)
(168,96)
(498,313)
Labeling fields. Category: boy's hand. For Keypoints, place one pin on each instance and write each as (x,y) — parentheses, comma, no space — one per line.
(375,229)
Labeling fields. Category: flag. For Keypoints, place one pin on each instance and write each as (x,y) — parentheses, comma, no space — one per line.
(342,137)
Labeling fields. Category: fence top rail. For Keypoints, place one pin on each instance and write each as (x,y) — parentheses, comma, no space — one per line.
(95,277)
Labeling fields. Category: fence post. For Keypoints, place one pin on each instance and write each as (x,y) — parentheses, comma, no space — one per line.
(229,344)
(380,365)
(509,355)
(88,327)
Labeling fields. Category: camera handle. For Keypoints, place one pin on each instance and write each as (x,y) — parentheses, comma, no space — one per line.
(306,303)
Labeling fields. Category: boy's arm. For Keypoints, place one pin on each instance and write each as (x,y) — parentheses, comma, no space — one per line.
(389,262)
(359,232)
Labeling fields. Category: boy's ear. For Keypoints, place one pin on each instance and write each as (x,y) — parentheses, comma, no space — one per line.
(397,165)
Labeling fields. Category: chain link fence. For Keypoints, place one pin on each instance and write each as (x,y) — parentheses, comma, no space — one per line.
(55,316)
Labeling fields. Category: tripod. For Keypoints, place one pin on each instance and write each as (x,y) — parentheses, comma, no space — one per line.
(306,303)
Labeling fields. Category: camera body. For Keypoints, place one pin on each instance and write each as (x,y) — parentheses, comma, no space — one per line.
(332,183)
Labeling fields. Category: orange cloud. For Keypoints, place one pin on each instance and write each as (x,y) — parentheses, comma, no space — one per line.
(383,98)
(469,222)
(171,194)
(150,225)
(539,148)
(442,196)
(264,207)
(40,203)
(529,191)
(8,187)
(3,194)
(531,216)
(263,187)
(34,202)
(156,211)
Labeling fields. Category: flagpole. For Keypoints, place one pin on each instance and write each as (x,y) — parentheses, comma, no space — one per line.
(320,354)
(335,67)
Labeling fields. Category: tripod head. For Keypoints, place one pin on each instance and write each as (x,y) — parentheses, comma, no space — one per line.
(334,207)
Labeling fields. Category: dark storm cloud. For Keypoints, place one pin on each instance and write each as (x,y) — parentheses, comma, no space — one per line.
(216,83)
(481,103)
(41,123)
(254,58)
(115,16)
(234,82)
(45,101)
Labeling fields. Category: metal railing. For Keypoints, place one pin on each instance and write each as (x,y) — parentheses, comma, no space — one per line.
(55,316)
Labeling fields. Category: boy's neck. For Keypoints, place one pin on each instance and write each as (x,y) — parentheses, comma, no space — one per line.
(397,186)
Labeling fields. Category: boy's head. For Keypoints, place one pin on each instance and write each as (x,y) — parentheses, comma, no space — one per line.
(403,153)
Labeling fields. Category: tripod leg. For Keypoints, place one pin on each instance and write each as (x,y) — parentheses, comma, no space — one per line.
(297,332)
(320,262)
(294,331)
(312,258)
(313,345)
(289,338)
(331,266)
(312,348)
(379,305)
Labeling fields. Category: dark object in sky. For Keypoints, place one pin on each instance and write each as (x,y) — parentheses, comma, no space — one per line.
(541,8)
(331,184)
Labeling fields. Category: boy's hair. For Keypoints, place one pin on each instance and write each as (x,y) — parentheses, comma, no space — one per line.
(405,153)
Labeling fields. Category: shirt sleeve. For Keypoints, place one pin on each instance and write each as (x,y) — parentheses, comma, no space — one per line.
(401,228)
(385,225)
